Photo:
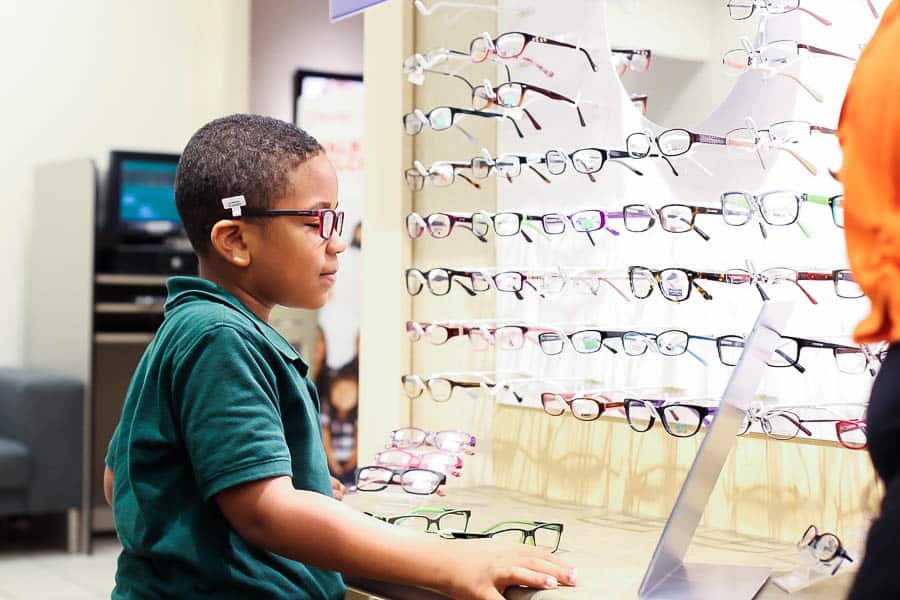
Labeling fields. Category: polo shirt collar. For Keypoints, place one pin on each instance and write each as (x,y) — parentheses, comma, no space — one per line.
(184,289)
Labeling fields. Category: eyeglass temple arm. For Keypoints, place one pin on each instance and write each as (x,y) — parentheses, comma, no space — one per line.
(798,421)
(474,184)
(794,363)
(806,164)
(808,88)
(469,223)
(516,125)
(694,354)
(804,290)
(872,8)
(817,50)
(505,523)
(706,295)
(614,286)
(457,277)
(551,42)
(704,138)
(471,138)
(534,122)
(818,18)
(460,77)
(489,115)
(539,174)
(626,165)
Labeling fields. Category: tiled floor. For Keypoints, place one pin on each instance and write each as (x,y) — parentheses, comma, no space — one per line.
(35,566)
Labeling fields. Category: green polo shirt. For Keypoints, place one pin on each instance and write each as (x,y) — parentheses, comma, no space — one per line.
(218,399)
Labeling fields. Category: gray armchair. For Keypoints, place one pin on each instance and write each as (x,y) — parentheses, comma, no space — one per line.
(40,442)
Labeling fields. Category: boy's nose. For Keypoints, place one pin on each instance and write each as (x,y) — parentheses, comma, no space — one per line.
(336,245)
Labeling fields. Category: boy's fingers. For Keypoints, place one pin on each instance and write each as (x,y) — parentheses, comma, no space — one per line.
(564,575)
(545,554)
(532,579)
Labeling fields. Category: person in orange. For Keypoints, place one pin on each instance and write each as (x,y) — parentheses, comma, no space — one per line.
(869,132)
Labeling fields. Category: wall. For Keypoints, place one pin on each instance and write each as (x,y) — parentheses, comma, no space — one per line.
(288,35)
(81,78)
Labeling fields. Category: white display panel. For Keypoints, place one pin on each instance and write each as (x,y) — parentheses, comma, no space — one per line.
(610,119)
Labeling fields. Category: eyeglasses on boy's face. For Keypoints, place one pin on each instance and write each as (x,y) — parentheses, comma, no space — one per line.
(331,222)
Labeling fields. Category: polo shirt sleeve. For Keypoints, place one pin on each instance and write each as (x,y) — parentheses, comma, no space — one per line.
(228,412)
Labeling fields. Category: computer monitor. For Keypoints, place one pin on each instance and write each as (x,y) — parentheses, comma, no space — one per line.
(141,197)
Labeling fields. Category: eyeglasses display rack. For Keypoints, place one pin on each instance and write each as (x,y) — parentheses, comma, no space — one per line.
(751,176)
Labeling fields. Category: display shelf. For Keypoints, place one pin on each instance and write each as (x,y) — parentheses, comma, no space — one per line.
(123,338)
(128,279)
(609,550)
(128,308)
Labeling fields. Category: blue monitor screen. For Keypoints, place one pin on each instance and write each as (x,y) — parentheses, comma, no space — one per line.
(147,191)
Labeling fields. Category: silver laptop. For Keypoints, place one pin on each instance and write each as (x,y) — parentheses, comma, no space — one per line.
(668,576)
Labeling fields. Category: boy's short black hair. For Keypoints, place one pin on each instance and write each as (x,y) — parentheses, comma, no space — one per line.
(247,155)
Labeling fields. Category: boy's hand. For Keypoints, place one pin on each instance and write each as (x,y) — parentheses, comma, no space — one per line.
(338,489)
(483,569)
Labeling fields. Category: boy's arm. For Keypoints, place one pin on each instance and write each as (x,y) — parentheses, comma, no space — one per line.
(317,530)
(108,485)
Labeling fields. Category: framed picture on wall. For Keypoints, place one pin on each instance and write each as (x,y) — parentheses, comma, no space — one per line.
(330,106)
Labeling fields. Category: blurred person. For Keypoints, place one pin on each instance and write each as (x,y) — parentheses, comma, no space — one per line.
(869,132)
(339,428)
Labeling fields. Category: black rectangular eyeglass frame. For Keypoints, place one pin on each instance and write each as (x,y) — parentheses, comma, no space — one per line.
(337,224)
(436,520)
(526,533)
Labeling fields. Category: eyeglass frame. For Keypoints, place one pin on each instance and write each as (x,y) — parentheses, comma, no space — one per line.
(692,277)
(570,398)
(416,174)
(632,52)
(421,513)
(528,38)
(763,5)
(659,406)
(432,436)
(526,533)
(415,461)
(695,210)
(840,551)
(423,118)
(337,226)
(441,480)
(693,138)
(799,343)
(757,51)
(453,218)
(614,156)
(426,276)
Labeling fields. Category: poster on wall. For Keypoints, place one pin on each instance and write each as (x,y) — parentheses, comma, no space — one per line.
(330,107)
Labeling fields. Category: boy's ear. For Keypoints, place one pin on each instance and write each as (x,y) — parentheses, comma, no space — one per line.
(228,240)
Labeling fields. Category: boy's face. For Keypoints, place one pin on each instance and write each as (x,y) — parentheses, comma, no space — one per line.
(292,265)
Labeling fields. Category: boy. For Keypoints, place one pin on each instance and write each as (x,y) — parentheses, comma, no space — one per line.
(216,472)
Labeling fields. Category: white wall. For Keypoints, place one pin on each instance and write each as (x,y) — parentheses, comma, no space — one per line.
(292,34)
(81,78)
